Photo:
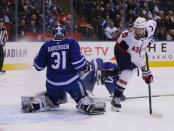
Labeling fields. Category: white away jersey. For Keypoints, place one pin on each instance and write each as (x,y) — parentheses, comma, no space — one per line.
(136,46)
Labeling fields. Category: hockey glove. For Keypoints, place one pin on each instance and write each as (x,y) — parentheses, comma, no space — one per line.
(147,75)
(87,69)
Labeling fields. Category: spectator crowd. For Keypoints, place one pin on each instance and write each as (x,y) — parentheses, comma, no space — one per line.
(30,16)
(93,19)
(108,17)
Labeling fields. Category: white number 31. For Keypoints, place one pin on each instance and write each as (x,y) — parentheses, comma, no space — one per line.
(60,58)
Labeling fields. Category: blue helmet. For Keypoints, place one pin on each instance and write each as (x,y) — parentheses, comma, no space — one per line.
(59,32)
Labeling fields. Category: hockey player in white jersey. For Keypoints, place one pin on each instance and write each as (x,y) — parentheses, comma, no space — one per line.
(128,49)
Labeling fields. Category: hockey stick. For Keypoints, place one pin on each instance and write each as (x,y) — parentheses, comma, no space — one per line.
(156,115)
(149,86)
(141,97)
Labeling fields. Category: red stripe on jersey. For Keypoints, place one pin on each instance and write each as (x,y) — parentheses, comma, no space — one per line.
(122,82)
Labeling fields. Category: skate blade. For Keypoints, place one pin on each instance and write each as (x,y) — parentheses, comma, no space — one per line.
(1,73)
(115,109)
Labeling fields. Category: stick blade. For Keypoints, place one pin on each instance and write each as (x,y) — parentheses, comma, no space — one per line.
(156,115)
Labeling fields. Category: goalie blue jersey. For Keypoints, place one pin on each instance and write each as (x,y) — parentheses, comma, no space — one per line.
(63,60)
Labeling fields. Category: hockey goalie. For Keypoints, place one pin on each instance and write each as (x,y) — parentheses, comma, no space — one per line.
(64,62)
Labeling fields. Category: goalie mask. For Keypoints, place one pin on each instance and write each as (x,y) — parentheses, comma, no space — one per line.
(59,32)
(140,27)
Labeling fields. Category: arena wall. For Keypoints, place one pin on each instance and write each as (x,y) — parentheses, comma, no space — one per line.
(20,55)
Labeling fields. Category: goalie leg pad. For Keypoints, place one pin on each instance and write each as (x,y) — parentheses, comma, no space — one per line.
(91,106)
(37,103)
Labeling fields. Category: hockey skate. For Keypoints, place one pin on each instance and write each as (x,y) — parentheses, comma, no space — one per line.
(116,104)
(2,71)
(122,98)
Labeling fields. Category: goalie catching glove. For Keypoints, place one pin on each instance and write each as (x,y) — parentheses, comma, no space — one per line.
(147,75)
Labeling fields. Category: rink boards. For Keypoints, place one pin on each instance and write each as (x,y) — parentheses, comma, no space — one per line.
(20,55)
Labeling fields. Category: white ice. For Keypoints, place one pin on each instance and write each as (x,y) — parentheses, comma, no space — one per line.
(134,115)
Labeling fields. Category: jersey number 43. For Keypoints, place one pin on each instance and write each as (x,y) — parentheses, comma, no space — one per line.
(136,49)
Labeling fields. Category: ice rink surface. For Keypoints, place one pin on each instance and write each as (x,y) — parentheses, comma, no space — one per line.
(134,115)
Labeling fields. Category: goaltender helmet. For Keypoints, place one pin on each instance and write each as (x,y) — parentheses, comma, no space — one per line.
(59,32)
(140,22)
